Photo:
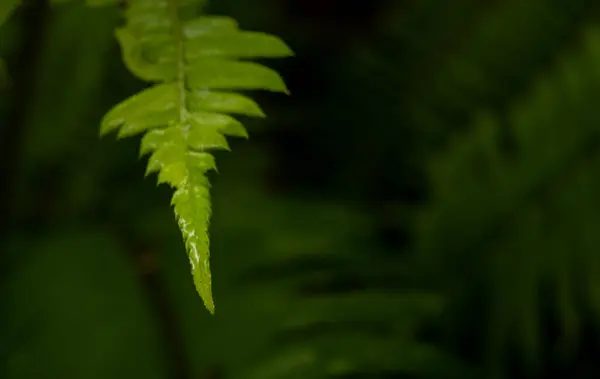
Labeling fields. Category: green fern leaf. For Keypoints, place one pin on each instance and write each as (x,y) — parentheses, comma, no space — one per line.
(188,112)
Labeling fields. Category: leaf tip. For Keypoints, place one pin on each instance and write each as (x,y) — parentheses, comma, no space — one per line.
(210,305)
(104,130)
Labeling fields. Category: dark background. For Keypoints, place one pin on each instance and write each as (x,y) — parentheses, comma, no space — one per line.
(426,204)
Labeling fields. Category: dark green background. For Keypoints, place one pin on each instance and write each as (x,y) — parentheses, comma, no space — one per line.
(426,204)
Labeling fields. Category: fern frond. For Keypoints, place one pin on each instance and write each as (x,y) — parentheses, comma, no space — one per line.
(187,113)
(527,217)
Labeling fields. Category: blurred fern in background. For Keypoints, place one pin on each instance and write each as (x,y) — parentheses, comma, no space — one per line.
(423,206)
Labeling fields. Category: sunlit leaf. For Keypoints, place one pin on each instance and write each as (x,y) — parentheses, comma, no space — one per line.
(183,117)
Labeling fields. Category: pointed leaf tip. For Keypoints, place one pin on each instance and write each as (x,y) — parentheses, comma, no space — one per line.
(210,306)
(107,127)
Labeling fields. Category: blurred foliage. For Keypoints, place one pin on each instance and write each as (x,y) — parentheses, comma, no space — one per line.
(3,73)
(529,183)
(64,297)
(6,8)
(423,206)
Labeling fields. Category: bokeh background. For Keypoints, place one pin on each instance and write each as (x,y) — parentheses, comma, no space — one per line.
(425,205)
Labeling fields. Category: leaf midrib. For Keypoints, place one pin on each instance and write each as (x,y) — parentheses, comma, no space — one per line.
(180,61)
